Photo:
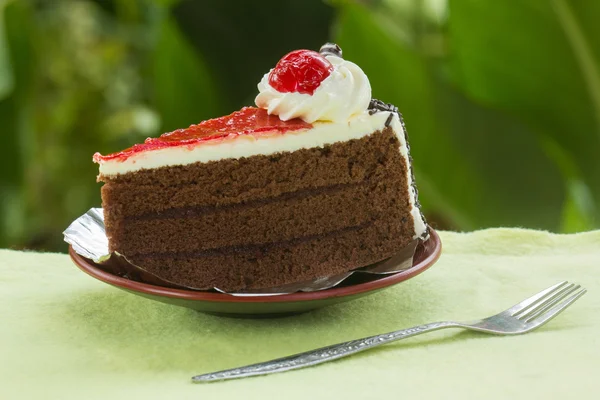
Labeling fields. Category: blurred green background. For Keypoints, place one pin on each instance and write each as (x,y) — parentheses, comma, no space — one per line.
(501,98)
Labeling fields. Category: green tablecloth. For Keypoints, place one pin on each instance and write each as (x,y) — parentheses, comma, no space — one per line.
(64,335)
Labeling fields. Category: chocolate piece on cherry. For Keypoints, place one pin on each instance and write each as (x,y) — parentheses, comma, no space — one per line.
(300,71)
(331,49)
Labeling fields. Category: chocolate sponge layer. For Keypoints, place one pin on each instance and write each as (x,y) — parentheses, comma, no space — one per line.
(264,221)
(254,267)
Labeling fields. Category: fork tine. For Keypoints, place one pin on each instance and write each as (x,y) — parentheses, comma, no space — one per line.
(548,303)
(533,299)
(542,299)
(557,309)
(557,294)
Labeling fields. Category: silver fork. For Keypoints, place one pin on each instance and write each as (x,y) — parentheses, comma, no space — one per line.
(521,318)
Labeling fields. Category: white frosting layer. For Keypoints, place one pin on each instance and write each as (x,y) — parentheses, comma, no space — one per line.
(322,133)
(346,92)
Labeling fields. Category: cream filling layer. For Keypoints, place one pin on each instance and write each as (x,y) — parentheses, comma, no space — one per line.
(322,133)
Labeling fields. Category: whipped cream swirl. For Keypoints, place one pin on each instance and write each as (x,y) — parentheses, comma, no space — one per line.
(346,92)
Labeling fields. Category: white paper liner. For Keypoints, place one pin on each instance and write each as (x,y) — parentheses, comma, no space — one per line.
(87,237)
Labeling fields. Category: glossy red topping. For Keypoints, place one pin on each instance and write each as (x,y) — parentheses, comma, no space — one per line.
(300,71)
(249,120)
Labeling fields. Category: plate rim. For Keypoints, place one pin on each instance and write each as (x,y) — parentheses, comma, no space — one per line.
(88,266)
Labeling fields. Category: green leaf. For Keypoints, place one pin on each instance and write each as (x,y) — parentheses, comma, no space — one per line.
(538,60)
(184,91)
(576,209)
(163,3)
(7,81)
(475,167)
(15,116)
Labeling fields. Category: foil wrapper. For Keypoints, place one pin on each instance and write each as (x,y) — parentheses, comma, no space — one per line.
(87,237)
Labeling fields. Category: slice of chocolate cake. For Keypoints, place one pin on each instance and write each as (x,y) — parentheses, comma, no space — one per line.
(314,182)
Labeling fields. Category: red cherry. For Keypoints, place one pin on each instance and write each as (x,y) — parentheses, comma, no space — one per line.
(300,71)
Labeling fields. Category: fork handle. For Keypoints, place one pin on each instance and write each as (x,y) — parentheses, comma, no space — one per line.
(322,354)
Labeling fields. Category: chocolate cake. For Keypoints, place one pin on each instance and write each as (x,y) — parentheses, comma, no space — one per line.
(313,182)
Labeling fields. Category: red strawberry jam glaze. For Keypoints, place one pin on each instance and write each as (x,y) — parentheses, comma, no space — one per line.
(300,71)
(247,121)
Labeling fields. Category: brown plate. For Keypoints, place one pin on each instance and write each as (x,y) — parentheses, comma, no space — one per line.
(263,306)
